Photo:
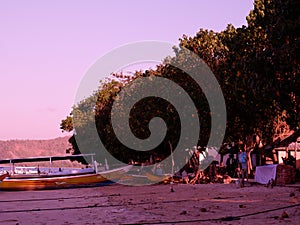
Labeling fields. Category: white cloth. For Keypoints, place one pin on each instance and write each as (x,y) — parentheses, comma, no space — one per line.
(265,173)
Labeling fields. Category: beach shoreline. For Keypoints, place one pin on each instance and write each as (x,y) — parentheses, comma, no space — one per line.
(154,204)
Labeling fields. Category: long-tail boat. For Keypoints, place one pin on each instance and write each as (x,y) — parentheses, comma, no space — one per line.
(39,181)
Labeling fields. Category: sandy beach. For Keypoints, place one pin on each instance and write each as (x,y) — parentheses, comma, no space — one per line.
(155,204)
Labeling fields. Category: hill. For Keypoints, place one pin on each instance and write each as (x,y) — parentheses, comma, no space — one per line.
(31,148)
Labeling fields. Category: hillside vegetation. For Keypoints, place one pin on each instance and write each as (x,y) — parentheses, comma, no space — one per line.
(31,148)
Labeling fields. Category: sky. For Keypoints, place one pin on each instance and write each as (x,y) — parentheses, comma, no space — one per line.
(46,47)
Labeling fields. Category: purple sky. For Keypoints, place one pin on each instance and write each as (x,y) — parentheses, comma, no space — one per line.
(47,46)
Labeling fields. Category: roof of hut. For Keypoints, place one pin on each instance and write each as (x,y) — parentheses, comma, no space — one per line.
(286,142)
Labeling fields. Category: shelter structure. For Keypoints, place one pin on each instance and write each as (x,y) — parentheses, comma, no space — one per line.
(286,148)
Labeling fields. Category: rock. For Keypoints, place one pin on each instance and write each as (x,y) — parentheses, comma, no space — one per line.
(292,194)
(183,212)
(172,189)
(284,215)
(203,210)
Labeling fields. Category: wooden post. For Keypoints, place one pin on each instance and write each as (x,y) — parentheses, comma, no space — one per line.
(173,163)
(275,156)
(50,168)
(93,163)
(296,153)
(171,149)
(10,164)
(12,167)
(221,159)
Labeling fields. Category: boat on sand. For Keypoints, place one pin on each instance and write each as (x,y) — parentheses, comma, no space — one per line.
(41,181)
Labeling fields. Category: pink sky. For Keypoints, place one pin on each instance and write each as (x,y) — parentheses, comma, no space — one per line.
(47,46)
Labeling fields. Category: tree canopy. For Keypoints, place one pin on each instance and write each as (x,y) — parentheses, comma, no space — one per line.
(257,67)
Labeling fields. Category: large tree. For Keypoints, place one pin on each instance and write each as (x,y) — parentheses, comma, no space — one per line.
(257,67)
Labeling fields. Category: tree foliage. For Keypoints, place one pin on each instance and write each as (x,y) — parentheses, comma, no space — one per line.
(257,67)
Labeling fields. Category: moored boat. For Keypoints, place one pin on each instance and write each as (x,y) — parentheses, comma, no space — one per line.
(164,178)
(40,181)
(9,183)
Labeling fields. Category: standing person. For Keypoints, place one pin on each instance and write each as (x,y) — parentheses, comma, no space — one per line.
(195,163)
(249,161)
(230,165)
(243,163)
(255,154)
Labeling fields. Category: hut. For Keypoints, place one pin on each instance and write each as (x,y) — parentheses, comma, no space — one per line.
(286,152)
(283,148)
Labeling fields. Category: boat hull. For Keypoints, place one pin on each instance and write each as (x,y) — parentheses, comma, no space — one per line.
(158,179)
(71,181)
(9,184)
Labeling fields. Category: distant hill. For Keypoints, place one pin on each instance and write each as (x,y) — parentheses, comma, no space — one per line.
(31,148)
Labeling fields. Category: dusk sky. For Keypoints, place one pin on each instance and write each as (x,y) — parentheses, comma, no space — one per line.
(47,46)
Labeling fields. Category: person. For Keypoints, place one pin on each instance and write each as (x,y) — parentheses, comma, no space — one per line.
(192,166)
(243,163)
(255,153)
(213,171)
(194,161)
(230,165)
(158,170)
(289,159)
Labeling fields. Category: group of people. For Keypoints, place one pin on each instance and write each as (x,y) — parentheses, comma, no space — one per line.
(248,158)
(241,162)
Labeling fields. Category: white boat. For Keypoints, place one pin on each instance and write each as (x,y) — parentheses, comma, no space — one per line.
(59,179)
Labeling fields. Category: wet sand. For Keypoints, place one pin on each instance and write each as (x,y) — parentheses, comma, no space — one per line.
(155,204)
